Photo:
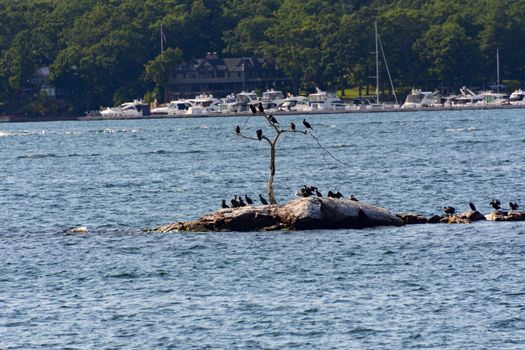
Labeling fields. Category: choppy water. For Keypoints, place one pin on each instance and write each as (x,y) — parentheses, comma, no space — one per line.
(427,286)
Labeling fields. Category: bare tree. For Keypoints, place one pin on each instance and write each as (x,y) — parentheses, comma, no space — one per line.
(272,141)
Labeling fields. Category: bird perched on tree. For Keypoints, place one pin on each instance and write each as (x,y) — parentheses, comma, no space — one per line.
(260,107)
(224,205)
(496,204)
(248,200)
(513,206)
(472,207)
(306,124)
(449,210)
(292,126)
(237,129)
(241,202)
(259,134)
(253,109)
(352,198)
(263,201)
(273,120)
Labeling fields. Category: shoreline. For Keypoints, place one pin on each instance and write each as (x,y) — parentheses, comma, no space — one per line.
(51,118)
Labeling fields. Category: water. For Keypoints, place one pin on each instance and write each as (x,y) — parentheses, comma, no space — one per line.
(425,286)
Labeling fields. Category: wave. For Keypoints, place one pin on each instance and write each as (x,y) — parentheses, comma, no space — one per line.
(38,156)
(457,130)
(114,131)
(21,133)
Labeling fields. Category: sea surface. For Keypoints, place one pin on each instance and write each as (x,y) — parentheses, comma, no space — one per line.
(118,287)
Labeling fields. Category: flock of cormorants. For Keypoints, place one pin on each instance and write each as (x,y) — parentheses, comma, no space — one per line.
(238,202)
(494,203)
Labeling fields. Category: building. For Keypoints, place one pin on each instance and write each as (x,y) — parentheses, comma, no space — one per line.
(223,76)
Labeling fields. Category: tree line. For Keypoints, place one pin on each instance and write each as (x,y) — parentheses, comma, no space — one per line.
(104,52)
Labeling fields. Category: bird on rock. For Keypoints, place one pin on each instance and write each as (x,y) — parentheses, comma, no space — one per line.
(253,109)
(259,134)
(339,195)
(224,205)
(241,202)
(472,207)
(260,107)
(317,193)
(352,198)
(248,200)
(496,204)
(513,206)
(292,126)
(306,124)
(331,194)
(235,203)
(273,120)
(263,201)
(449,210)
(237,129)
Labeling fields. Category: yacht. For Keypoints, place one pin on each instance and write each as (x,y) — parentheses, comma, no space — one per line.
(134,109)
(203,104)
(421,99)
(177,107)
(244,99)
(517,97)
(494,98)
(295,104)
(271,99)
(323,101)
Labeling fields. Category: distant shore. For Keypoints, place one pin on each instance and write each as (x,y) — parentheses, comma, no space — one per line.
(49,118)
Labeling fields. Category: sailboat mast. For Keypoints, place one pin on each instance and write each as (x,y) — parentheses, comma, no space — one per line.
(377,63)
(497,65)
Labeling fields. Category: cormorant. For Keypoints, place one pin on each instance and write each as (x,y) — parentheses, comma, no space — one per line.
(472,207)
(352,198)
(253,109)
(261,108)
(259,134)
(496,204)
(248,200)
(263,201)
(235,203)
(330,194)
(449,210)
(339,195)
(292,126)
(273,120)
(241,202)
(306,124)
(237,129)
(513,205)
(317,193)
(224,205)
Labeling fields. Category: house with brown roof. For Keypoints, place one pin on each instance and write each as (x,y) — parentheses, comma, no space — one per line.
(222,76)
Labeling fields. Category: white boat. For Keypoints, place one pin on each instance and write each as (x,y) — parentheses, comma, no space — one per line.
(244,99)
(323,101)
(421,99)
(517,97)
(203,104)
(271,99)
(494,98)
(177,107)
(295,104)
(137,108)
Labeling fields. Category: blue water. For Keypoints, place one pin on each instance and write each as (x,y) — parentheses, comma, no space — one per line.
(425,286)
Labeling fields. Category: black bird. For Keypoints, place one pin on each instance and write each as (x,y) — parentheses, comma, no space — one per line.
(259,134)
(339,195)
(224,205)
(235,203)
(241,202)
(317,193)
(261,108)
(273,120)
(496,204)
(237,129)
(292,126)
(352,198)
(513,205)
(263,201)
(248,200)
(449,210)
(306,124)
(253,109)
(472,207)
(331,194)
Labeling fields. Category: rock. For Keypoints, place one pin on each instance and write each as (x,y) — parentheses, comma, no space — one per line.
(501,215)
(473,215)
(299,214)
(434,219)
(412,218)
